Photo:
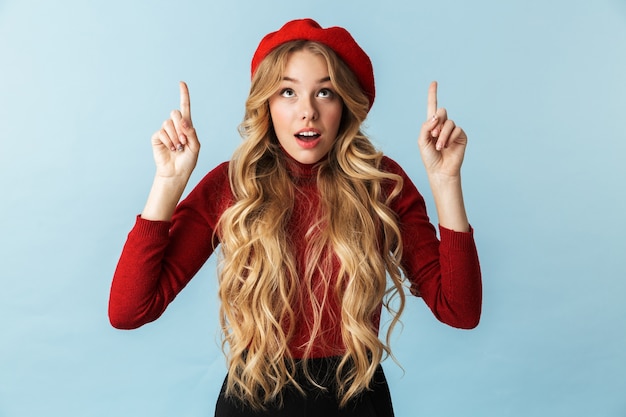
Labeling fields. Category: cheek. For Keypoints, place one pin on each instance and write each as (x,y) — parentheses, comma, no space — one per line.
(336,118)
(278,116)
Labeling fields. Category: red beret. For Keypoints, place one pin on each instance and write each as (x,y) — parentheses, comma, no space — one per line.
(336,38)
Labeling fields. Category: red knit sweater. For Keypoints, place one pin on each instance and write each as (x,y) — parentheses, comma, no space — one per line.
(160,258)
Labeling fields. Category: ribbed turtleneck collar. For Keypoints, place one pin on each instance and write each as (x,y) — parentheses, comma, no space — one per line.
(299,170)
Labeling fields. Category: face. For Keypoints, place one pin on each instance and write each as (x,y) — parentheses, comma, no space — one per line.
(306,110)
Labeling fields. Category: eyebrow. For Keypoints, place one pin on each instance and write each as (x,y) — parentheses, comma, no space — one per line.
(293,80)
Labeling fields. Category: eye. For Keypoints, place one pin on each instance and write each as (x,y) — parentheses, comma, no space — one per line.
(326,93)
(287,92)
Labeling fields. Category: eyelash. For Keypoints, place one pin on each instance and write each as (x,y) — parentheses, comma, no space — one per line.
(327,93)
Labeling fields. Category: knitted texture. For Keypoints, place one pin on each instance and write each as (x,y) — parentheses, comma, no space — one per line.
(160,258)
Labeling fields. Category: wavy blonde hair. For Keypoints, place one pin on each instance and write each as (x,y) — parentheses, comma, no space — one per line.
(260,285)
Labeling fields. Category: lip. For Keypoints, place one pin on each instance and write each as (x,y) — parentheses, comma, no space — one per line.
(308,130)
(308,142)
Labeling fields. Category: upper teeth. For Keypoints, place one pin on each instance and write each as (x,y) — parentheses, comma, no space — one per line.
(307,133)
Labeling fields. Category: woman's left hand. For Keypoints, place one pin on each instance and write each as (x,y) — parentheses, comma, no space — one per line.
(442,143)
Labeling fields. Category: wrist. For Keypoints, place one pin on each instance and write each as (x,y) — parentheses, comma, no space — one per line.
(171,183)
(443,182)
(163,198)
(448,196)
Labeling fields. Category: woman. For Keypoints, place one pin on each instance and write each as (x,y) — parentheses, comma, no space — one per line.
(311,220)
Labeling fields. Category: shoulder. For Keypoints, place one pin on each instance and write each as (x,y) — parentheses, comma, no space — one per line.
(217,173)
(389,165)
(213,188)
(215,178)
(408,196)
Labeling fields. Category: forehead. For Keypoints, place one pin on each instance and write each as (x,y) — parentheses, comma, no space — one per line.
(305,63)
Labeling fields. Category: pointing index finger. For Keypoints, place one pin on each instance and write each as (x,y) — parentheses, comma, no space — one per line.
(185,105)
(431,108)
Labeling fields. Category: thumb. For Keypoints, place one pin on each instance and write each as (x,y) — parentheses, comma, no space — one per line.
(425,138)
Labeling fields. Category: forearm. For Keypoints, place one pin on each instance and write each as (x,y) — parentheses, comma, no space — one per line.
(448,196)
(163,198)
(137,291)
(445,272)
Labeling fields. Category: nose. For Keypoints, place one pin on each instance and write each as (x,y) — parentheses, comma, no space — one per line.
(308,109)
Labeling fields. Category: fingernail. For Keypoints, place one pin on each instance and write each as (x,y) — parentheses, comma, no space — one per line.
(173,148)
(183,139)
(180,148)
(433,119)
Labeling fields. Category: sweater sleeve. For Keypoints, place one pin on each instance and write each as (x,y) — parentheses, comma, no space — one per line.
(159,258)
(445,273)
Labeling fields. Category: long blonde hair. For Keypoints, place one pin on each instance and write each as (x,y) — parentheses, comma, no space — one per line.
(260,285)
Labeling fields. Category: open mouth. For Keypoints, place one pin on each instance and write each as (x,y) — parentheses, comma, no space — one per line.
(307,136)
(308,139)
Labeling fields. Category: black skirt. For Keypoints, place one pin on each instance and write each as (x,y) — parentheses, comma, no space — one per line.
(323,403)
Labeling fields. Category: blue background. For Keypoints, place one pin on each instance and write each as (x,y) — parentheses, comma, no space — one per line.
(540,87)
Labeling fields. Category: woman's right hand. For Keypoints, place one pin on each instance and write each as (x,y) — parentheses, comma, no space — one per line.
(175,146)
